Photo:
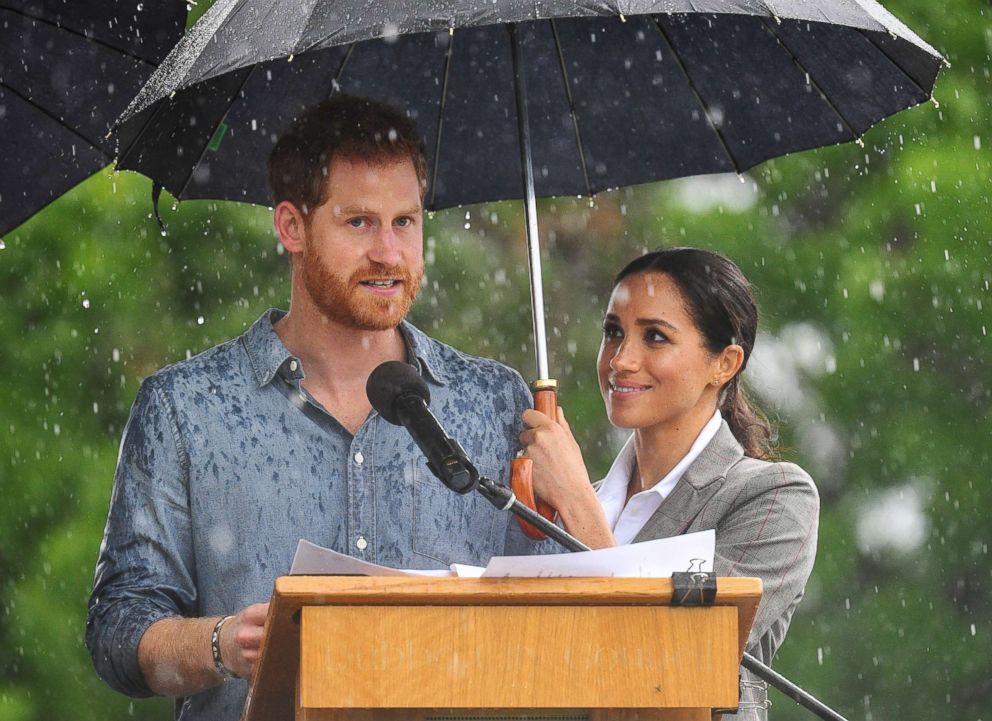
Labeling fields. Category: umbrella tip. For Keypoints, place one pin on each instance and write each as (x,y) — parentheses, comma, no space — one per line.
(933,100)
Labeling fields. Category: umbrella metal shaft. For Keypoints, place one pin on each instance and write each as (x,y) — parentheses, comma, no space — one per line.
(530,209)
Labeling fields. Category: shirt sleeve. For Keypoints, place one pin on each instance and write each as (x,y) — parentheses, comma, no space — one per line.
(771,533)
(144,572)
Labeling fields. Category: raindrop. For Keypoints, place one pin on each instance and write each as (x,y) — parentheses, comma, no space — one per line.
(3,246)
(978,142)
(199,320)
(86,302)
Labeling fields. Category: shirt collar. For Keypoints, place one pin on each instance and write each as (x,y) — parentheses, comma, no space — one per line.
(264,347)
(613,490)
(267,353)
(424,349)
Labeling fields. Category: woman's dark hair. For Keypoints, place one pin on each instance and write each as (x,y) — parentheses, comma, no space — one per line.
(720,302)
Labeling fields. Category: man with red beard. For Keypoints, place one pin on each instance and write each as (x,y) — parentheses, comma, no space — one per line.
(231,457)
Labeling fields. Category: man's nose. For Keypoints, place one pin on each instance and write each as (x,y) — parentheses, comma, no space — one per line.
(386,247)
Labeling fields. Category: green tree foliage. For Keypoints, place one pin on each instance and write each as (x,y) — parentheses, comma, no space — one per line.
(873,267)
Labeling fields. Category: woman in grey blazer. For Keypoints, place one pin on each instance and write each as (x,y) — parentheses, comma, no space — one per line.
(677,334)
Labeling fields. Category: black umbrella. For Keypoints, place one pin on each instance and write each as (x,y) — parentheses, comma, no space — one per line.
(528,99)
(67,70)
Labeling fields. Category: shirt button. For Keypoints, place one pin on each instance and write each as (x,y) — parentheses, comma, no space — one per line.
(359,458)
(361,543)
(293,365)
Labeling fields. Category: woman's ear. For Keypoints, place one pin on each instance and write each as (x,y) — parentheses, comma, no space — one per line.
(727,364)
(290,226)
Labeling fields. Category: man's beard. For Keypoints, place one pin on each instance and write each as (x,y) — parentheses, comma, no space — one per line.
(343,300)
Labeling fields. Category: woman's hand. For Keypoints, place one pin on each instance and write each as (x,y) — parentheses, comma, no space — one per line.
(559,471)
(561,479)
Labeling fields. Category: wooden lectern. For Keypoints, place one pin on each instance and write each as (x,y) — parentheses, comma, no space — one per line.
(356,648)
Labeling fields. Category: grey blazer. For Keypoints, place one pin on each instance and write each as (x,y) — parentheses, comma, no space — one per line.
(765,516)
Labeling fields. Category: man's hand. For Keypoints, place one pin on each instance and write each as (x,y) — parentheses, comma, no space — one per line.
(175,655)
(241,639)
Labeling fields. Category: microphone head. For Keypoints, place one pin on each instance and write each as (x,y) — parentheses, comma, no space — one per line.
(391,381)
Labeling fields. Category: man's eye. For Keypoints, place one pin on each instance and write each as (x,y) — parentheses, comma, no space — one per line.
(356,222)
(404,221)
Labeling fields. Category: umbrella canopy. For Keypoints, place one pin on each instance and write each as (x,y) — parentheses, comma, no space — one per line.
(618,92)
(520,99)
(67,70)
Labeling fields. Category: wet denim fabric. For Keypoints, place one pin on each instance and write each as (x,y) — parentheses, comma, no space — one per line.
(226,462)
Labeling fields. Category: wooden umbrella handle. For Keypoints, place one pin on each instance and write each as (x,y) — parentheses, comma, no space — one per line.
(522,469)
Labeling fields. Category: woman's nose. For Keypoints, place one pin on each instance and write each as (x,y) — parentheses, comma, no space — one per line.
(625,358)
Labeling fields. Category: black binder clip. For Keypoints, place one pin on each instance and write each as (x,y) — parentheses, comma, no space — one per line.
(694,587)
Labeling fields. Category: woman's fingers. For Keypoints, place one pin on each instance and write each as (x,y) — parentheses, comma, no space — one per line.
(536,419)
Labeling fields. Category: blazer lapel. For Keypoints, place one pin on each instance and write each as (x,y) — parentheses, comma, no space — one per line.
(704,477)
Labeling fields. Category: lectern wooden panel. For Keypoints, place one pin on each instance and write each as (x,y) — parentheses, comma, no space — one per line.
(415,649)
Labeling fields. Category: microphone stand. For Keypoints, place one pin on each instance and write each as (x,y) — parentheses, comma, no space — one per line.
(505,500)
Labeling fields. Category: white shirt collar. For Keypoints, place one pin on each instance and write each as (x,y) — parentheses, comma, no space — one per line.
(627,519)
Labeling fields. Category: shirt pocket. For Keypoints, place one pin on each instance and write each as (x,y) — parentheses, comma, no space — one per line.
(450,527)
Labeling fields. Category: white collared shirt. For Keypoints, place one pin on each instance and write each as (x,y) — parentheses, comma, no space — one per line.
(628,519)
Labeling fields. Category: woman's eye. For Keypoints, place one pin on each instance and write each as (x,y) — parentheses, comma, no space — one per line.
(655,336)
(611,331)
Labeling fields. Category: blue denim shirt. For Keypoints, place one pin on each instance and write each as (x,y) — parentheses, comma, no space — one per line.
(226,462)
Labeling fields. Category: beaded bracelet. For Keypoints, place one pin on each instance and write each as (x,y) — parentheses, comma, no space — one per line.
(223,670)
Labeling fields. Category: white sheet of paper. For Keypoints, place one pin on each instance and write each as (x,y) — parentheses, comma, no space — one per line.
(649,559)
(463,571)
(314,560)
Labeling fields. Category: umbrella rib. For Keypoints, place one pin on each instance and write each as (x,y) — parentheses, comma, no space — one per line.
(213,132)
(888,57)
(810,79)
(336,80)
(695,93)
(80,34)
(51,116)
(571,107)
(440,116)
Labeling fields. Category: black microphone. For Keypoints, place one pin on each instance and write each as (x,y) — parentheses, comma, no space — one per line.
(400,396)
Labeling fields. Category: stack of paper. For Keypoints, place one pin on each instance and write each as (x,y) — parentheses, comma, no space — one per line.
(650,559)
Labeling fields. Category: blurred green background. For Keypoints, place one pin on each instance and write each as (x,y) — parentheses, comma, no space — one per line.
(873,270)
